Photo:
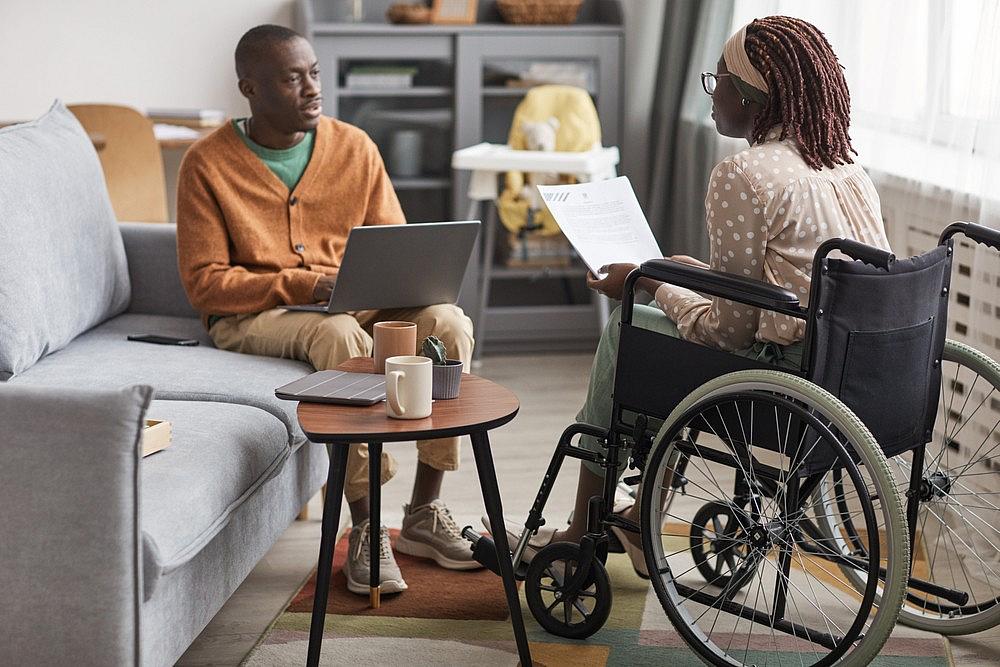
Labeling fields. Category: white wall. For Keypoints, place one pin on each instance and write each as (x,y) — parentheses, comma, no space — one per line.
(144,53)
(179,53)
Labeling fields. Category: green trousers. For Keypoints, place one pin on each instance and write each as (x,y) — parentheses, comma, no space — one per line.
(597,409)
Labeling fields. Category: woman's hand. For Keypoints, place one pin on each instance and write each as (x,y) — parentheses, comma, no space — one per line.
(612,284)
(687,259)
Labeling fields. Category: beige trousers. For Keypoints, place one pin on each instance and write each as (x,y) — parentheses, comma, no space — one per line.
(326,341)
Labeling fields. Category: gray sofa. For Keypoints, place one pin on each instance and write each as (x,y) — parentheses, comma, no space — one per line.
(106,557)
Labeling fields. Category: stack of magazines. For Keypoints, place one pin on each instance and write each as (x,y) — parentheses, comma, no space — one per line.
(188,117)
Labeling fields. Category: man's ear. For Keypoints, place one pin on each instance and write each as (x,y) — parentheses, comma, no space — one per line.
(247,88)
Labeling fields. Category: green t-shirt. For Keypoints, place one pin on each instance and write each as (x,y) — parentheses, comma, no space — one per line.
(288,164)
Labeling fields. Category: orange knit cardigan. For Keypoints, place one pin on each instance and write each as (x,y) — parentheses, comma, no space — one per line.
(245,243)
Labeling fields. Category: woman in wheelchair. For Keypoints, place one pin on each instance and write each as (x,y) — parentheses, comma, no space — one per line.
(768,209)
(799,427)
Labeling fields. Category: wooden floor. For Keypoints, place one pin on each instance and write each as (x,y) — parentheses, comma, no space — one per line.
(551,389)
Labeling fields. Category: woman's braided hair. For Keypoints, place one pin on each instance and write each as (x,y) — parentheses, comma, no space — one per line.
(808,94)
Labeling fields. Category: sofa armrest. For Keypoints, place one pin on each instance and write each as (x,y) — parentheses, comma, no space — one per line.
(151,249)
(70,546)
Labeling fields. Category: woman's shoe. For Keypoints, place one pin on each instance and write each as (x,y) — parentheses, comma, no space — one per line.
(635,554)
(538,541)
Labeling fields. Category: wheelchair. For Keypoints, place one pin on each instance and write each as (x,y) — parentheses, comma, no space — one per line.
(795,515)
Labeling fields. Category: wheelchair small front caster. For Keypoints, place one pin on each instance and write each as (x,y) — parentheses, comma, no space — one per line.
(719,543)
(560,604)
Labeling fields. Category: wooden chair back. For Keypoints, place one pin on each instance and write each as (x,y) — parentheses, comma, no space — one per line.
(131,160)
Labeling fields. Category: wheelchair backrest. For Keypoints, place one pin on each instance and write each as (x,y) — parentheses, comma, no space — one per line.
(876,340)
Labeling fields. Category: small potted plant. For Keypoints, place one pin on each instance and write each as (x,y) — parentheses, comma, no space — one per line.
(447,372)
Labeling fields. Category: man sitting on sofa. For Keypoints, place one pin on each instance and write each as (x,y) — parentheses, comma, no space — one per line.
(264,208)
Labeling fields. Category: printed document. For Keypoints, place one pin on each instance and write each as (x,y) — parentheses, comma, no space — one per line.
(603,221)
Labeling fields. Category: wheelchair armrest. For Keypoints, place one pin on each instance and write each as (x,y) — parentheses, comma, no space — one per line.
(724,285)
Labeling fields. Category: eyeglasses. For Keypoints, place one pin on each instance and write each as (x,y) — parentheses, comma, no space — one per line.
(710,80)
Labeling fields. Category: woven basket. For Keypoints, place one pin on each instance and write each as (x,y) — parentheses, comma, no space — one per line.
(405,13)
(539,11)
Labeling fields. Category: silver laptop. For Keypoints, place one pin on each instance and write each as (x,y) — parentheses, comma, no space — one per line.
(401,266)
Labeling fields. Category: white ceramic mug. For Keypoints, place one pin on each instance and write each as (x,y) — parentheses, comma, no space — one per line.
(408,384)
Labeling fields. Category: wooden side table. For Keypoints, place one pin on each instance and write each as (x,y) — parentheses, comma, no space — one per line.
(482,406)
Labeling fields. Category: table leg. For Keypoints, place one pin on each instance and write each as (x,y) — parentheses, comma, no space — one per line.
(494,509)
(331,520)
(374,523)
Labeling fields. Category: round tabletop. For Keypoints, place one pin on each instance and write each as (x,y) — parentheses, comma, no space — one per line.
(482,405)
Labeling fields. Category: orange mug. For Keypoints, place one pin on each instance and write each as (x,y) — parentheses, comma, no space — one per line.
(393,339)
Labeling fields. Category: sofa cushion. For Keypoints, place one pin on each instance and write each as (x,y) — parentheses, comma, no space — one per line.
(219,454)
(103,358)
(62,263)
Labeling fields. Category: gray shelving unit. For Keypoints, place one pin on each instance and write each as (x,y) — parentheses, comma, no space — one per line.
(533,308)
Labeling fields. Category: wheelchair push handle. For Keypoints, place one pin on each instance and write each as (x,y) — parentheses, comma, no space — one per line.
(880,259)
(978,233)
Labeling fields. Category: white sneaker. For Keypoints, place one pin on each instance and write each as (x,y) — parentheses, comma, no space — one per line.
(429,531)
(358,555)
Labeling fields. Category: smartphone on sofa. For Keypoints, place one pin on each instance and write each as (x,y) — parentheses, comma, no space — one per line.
(162,340)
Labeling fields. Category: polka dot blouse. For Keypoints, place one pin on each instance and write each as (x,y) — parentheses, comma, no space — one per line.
(767,213)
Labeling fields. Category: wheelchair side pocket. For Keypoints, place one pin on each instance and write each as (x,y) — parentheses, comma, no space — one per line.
(885,383)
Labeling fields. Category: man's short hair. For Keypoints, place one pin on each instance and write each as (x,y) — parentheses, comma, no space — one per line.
(257,42)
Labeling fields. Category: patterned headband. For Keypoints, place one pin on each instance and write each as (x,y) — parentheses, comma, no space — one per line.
(738,64)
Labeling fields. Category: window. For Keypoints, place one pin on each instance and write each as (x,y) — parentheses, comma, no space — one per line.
(924,68)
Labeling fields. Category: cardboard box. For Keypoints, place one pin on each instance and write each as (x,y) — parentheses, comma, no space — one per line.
(155,436)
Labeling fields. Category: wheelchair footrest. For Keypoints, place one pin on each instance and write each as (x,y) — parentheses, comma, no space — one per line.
(484,550)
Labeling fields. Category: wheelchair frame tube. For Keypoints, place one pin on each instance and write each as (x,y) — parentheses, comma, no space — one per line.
(563,449)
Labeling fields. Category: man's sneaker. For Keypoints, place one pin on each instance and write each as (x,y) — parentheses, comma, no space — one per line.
(358,554)
(429,531)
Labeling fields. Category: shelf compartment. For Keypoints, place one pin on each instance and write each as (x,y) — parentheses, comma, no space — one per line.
(514,91)
(415,91)
(501,272)
(420,183)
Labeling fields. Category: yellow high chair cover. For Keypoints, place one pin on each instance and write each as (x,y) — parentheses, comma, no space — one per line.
(579,130)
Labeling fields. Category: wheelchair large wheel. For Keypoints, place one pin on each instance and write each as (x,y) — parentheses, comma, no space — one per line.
(574,616)
(766,440)
(957,538)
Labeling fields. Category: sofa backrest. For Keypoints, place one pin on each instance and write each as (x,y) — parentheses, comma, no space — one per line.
(62,263)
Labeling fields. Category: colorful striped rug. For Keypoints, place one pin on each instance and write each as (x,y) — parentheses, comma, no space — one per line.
(460,618)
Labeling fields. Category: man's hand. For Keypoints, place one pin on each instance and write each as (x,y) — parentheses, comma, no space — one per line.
(613,283)
(687,259)
(324,288)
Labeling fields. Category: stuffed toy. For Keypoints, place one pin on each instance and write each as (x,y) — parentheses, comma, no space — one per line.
(539,136)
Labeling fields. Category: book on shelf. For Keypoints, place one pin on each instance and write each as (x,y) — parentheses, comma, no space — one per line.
(187,117)
(378,76)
